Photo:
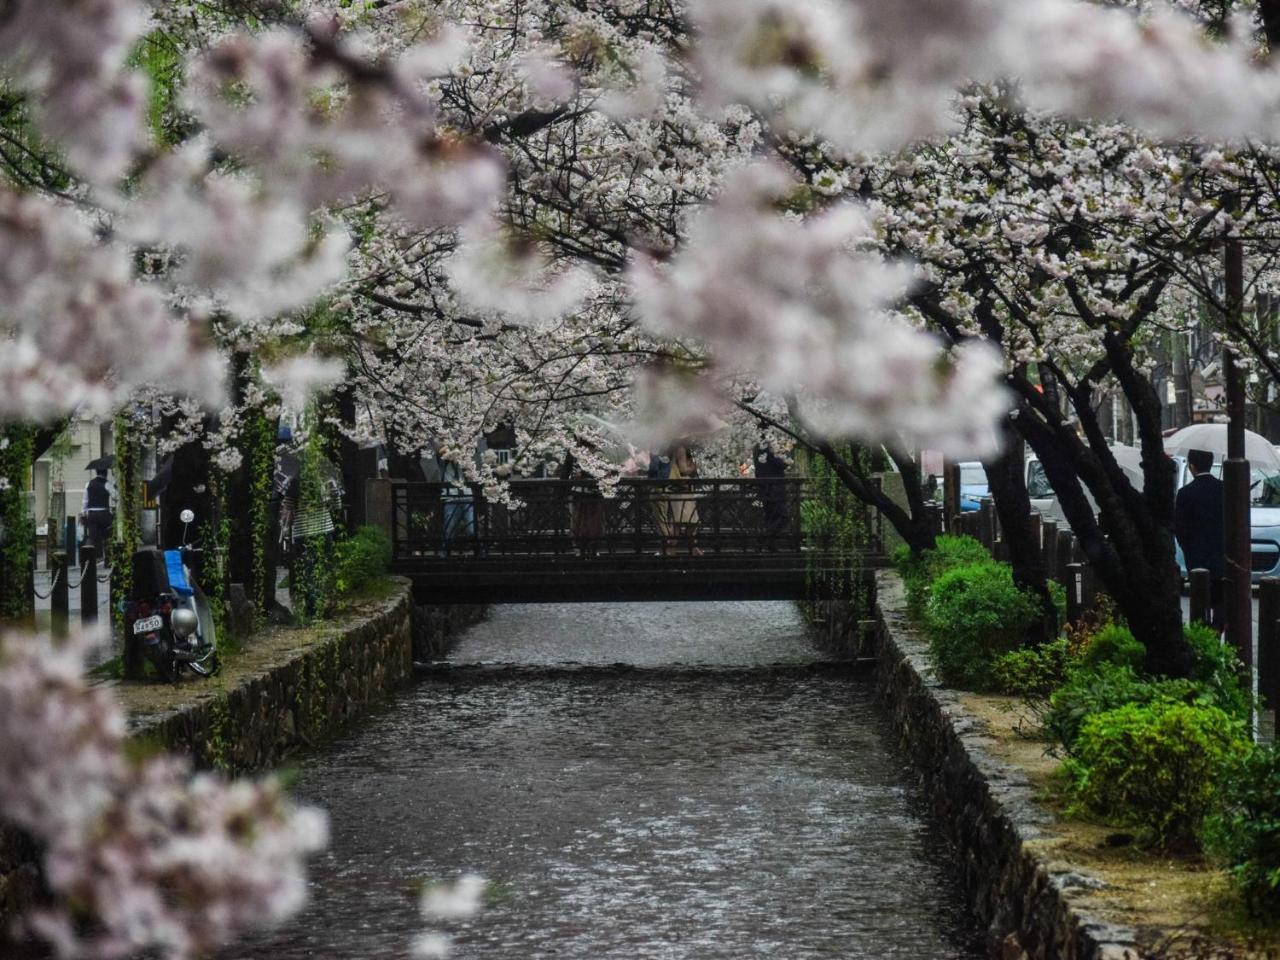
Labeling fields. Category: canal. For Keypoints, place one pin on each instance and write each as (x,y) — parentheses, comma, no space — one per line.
(708,801)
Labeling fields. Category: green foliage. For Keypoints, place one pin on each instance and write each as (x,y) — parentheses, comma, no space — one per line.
(1154,766)
(1033,672)
(839,527)
(17,447)
(973,615)
(1115,644)
(1245,831)
(128,530)
(1098,689)
(1218,670)
(361,559)
(920,570)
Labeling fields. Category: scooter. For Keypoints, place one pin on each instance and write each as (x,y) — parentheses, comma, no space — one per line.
(167,617)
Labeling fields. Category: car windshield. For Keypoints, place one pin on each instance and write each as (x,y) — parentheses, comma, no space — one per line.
(1264,485)
(972,475)
(1037,483)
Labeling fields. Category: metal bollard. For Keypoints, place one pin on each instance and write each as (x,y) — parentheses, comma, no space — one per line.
(1269,642)
(71,544)
(89,585)
(1049,547)
(1074,582)
(59,596)
(1201,581)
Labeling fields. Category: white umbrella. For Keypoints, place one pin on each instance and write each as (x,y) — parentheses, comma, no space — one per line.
(1213,437)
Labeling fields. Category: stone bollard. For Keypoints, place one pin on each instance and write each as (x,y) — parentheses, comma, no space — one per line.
(1201,582)
(89,585)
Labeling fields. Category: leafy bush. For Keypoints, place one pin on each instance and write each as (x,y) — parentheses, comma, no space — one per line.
(1218,670)
(1094,690)
(1114,643)
(1034,672)
(1245,832)
(919,571)
(974,614)
(361,559)
(1155,766)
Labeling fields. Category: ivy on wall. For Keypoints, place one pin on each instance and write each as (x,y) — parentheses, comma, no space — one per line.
(258,436)
(128,532)
(17,448)
(838,526)
(214,537)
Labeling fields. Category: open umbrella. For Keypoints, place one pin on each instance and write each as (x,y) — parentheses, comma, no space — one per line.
(102,463)
(1213,437)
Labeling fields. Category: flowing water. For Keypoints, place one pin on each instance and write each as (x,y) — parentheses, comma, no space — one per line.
(702,805)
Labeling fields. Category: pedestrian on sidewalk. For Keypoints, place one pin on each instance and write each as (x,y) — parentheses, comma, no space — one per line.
(96,513)
(1198,525)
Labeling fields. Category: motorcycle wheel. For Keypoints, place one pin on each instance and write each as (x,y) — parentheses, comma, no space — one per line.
(207,665)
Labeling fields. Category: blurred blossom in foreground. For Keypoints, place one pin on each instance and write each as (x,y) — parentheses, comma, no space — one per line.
(140,855)
(445,902)
(800,306)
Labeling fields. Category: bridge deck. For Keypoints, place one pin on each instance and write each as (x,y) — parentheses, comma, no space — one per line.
(646,540)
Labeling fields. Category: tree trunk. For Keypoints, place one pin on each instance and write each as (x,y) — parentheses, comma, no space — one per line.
(1006,478)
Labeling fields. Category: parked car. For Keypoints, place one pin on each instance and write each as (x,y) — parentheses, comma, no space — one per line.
(973,485)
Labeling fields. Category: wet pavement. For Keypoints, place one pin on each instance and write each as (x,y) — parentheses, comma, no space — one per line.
(684,810)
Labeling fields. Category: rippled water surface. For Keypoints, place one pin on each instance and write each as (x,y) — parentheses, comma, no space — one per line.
(682,813)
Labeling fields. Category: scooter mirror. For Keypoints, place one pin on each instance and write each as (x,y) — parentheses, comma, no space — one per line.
(186,516)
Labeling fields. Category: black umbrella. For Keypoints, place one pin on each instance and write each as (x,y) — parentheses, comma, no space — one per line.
(102,463)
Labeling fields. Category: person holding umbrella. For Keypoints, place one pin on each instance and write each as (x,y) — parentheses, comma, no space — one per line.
(95,510)
(1198,523)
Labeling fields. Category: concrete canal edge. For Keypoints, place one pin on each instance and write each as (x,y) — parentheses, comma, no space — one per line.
(1028,904)
(291,688)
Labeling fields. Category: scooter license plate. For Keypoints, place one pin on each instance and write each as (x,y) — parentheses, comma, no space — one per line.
(147,624)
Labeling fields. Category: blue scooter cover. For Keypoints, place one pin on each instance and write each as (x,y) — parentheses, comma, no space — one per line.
(177,575)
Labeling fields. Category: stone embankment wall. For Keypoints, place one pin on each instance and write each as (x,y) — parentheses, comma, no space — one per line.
(289,689)
(1027,902)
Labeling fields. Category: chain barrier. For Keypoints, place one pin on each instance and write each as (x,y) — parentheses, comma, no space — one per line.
(83,569)
(52,583)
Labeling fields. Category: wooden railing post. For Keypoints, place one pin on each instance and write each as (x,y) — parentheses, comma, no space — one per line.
(1269,642)
(1049,548)
(1075,591)
(1065,550)
(1201,581)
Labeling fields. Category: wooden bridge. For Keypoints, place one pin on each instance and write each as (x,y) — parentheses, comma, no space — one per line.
(571,540)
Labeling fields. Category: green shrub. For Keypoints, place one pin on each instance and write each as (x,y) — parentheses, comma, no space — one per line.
(1218,670)
(919,570)
(974,614)
(1245,831)
(1033,672)
(1116,644)
(1154,766)
(1094,690)
(361,559)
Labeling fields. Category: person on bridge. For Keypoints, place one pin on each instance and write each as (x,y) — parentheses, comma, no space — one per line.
(1198,524)
(773,496)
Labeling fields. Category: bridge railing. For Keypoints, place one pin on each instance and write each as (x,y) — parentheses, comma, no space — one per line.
(640,517)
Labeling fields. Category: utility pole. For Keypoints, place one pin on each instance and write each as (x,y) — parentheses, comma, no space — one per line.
(1238,591)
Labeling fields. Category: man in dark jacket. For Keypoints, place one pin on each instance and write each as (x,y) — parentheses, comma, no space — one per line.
(96,513)
(1198,522)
